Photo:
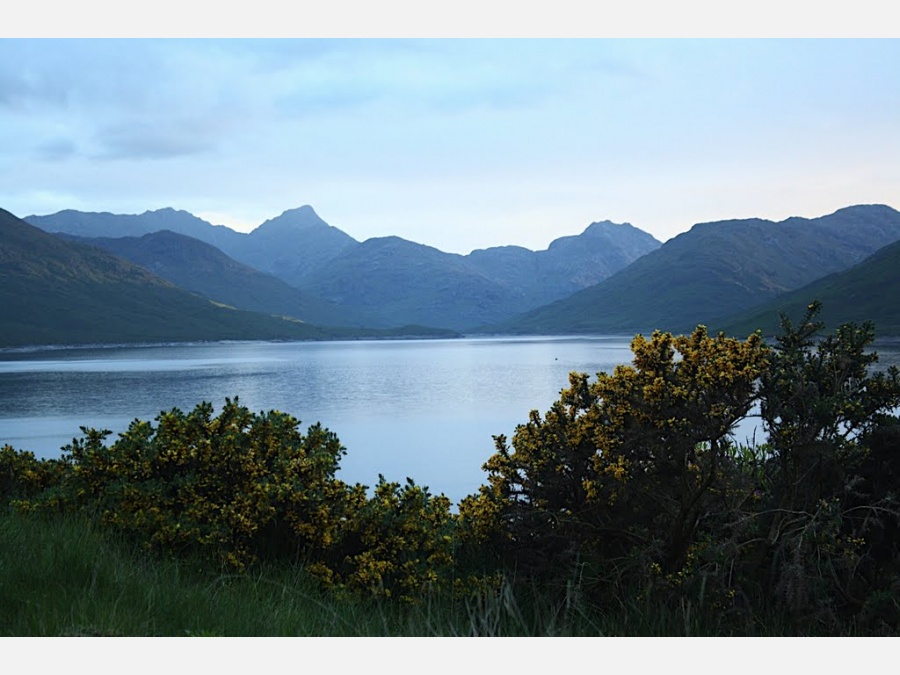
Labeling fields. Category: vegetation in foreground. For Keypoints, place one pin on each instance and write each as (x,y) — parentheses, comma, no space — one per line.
(625,510)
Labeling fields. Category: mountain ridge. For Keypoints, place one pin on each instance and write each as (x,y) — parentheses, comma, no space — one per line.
(714,270)
(410,283)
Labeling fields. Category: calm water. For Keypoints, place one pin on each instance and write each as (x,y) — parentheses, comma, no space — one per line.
(424,409)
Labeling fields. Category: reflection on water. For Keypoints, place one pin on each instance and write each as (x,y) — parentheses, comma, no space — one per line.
(425,409)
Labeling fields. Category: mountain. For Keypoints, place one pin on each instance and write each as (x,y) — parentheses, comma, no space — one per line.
(405,282)
(715,270)
(294,247)
(413,283)
(289,246)
(86,224)
(568,265)
(869,291)
(389,281)
(60,292)
(202,268)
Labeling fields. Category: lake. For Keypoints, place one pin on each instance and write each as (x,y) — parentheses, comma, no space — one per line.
(426,409)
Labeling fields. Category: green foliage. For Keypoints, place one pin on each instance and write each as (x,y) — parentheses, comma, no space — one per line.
(23,476)
(622,475)
(398,544)
(632,485)
(831,478)
(240,487)
(236,484)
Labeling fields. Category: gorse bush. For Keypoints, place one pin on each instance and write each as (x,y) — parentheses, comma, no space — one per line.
(629,488)
(240,486)
(634,485)
(829,532)
(397,544)
(624,475)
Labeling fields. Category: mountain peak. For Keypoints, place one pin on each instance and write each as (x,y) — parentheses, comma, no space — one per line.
(302,217)
(605,226)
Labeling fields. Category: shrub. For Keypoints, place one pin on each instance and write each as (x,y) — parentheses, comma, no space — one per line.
(624,474)
(235,484)
(399,543)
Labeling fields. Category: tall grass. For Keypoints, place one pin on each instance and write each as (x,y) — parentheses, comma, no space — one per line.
(63,576)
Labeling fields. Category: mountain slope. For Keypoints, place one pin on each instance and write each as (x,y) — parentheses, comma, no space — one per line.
(58,292)
(869,291)
(568,265)
(295,246)
(202,268)
(388,281)
(289,246)
(405,282)
(716,270)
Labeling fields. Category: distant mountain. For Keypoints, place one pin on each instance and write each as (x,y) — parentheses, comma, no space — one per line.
(289,247)
(388,279)
(202,268)
(869,291)
(60,292)
(410,282)
(295,247)
(405,282)
(568,265)
(714,271)
(87,224)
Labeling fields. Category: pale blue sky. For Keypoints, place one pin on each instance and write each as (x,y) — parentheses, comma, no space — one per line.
(459,144)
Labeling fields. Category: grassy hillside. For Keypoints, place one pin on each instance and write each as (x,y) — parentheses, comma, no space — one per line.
(869,291)
(58,292)
(202,268)
(715,270)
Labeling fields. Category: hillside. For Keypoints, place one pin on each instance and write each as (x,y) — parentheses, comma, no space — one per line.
(289,246)
(569,264)
(58,292)
(405,282)
(389,281)
(715,270)
(202,268)
(867,291)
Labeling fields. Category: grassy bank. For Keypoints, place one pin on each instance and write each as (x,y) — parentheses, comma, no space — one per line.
(62,576)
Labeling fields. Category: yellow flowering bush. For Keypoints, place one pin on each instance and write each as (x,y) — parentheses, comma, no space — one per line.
(237,484)
(23,476)
(397,544)
(629,467)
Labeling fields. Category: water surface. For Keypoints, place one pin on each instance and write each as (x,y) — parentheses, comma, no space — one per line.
(426,409)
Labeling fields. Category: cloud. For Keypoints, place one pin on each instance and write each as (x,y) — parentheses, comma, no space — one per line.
(154,140)
(57,149)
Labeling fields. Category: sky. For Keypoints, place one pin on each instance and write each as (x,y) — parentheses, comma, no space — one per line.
(455,143)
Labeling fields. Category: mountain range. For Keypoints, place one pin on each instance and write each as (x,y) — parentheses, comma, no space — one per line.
(295,276)
(387,281)
(54,291)
(714,271)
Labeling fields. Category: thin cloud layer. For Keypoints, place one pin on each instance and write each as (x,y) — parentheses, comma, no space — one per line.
(459,144)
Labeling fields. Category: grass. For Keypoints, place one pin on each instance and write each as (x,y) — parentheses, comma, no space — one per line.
(63,576)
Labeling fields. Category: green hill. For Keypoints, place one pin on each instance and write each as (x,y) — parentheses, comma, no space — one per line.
(202,268)
(715,270)
(59,292)
(867,291)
